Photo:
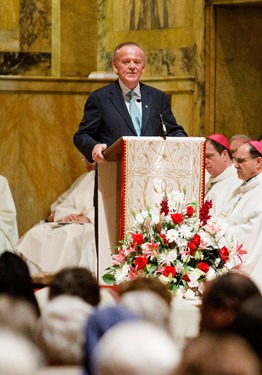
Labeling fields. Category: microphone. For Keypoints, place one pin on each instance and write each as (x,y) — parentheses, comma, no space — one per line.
(163,132)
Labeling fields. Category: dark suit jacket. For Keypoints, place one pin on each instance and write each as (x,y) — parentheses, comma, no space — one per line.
(106,118)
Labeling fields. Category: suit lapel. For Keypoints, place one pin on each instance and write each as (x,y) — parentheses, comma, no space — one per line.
(147,99)
(116,97)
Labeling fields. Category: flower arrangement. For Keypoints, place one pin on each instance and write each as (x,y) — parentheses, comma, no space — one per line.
(177,243)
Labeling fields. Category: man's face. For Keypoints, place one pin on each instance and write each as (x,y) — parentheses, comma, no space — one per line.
(129,65)
(235,144)
(245,165)
(215,163)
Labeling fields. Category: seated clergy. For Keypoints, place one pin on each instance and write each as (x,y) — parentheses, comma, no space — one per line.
(8,224)
(68,240)
(236,141)
(223,179)
(244,213)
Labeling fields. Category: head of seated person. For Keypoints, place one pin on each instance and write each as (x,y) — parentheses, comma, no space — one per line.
(218,354)
(248,160)
(248,323)
(236,141)
(60,330)
(148,305)
(136,348)
(222,299)
(19,315)
(148,284)
(75,281)
(15,279)
(218,155)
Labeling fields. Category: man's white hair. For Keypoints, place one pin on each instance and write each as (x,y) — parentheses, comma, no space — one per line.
(136,348)
(18,355)
(61,329)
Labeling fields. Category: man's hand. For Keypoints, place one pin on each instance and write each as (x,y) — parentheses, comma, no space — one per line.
(76,218)
(97,153)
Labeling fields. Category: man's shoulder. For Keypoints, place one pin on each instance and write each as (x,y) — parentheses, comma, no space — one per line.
(111,87)
(145,87)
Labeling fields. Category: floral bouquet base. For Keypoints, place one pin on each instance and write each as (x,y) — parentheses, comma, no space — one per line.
(178,243)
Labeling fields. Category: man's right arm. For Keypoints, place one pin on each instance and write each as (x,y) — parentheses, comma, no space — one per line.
(87,135)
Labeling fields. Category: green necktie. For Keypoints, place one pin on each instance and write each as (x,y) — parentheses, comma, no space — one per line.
(135,114)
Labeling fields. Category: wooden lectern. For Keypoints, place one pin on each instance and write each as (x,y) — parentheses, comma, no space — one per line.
(139,170)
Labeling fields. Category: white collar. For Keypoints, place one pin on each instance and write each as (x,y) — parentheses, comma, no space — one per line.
(125,90)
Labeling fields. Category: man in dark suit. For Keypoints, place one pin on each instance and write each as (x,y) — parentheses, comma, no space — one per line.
(107,113)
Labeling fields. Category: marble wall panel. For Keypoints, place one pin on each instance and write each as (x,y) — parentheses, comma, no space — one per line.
(37,152)
(9,25)
(238,86)
(163,28)
(35,25)
(78,33)
(25,63)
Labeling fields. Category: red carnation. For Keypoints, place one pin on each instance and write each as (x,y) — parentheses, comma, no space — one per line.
(192,247)
(203,266)
(224,254)
(140,262)
(138,238)
(177,218)
(169,269)
(190,211)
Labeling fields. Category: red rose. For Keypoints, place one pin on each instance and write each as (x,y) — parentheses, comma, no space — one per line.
(140,262)
(190,211)
(192,247)
(203,266)
(177,218)
(224,254)
(138,238)
(196,239)
(169,269)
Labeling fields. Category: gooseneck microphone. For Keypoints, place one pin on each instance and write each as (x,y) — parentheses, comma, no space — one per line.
(163,132)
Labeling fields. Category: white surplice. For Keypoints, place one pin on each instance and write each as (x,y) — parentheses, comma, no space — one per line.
(8,223)
(220,189)
(49,247)
(244,216)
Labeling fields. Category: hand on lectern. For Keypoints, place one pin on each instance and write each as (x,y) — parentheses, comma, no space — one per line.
(97,153)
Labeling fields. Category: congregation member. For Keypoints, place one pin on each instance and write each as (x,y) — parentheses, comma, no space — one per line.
(136,348)
(126,107)
(100,322)
(218,354)
(15,280)
(248,323)
(8,223)
(68,239)
(223,179)
(236,141)
(244,213)
(222,300)
(60,330)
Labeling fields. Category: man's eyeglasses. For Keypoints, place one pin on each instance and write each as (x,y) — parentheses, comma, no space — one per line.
(241,161)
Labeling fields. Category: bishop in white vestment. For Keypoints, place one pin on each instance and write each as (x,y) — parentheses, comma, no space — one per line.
(8,223)
(67,241)
(223,179)
(244,214)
